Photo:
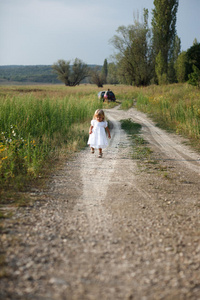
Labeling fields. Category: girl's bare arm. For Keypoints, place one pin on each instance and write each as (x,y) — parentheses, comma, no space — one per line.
(108,131)
(90,130)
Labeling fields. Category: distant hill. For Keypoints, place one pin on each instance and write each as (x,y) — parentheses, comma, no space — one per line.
(26,74)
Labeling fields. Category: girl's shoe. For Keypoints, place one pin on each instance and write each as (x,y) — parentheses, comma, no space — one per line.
(100,155)
(92,151)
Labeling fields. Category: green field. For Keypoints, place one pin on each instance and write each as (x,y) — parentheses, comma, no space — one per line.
(175,107)
(40,125)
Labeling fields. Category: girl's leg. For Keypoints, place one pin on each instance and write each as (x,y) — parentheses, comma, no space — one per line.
(100,152)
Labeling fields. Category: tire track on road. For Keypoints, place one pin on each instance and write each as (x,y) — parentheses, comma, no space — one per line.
(168,145)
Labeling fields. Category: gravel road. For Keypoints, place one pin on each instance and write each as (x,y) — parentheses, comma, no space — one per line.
(111,228)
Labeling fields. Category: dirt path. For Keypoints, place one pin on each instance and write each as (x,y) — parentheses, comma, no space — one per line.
(111,228)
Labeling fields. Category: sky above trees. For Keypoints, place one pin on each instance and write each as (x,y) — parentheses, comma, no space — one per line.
(42,31)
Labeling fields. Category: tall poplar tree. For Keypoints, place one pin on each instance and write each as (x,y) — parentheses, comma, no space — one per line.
(104,71)
(164,30)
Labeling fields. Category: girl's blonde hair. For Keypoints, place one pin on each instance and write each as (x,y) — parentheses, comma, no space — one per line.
(99,112)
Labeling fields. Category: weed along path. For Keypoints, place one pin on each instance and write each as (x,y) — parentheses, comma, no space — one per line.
(126,226)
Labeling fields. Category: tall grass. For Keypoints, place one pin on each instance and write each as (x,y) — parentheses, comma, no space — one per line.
(36,127)
(175,107)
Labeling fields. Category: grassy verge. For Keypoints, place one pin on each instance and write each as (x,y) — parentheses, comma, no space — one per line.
(173,107)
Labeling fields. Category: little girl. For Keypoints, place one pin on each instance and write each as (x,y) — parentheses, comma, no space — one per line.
(97,131)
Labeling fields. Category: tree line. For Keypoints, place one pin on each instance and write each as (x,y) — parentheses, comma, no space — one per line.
(143,55)
(23,74)
(153,55)
(36,73)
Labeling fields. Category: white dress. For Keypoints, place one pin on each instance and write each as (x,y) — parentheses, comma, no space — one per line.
(97,139)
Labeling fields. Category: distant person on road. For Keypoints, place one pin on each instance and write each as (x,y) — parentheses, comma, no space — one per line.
(106,95)
(97,132)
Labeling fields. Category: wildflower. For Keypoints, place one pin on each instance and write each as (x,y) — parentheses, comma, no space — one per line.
(5,157)
(25,157)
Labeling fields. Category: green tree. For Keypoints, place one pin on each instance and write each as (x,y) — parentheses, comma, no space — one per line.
(96,77)
(176,48)
(132,57)
(193,57)
(180,67)
(160,69)
(195,42)
(71,75)
(194,78)
(173,58)
(104,71)
(164,30)
(112,74)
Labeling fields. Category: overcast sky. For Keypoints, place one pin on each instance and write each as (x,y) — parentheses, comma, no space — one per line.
(39,32)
